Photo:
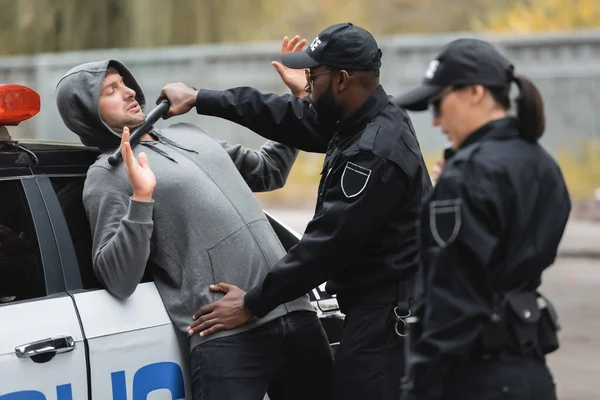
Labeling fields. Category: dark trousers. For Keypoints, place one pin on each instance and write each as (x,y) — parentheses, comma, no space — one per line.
(289,358)
(505,377)
(369,363)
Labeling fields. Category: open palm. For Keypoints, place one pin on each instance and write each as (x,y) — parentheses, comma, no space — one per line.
(295,79)
(140,175)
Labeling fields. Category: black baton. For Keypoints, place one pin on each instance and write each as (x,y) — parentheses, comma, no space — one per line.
(153,116)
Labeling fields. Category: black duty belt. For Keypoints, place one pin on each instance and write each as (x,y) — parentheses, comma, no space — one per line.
(398,292)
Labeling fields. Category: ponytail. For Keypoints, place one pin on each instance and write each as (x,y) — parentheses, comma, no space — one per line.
(530,110)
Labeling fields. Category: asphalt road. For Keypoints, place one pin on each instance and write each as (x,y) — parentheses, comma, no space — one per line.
(573,285)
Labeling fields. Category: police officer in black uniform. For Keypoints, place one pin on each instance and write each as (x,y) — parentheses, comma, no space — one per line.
(491,226)
(363,237)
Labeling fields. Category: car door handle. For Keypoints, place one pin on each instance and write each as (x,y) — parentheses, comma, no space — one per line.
(55,345)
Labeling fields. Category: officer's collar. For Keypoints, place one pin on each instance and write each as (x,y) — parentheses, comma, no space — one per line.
(499,129)
(369,109)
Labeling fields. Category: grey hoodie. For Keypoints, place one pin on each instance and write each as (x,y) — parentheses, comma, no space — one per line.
(204,224)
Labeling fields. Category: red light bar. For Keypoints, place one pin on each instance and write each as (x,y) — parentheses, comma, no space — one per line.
(17,103)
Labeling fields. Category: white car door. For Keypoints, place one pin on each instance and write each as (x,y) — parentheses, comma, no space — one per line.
(135,352)
(42,353)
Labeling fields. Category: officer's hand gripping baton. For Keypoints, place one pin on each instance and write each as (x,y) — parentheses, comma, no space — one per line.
(153,116)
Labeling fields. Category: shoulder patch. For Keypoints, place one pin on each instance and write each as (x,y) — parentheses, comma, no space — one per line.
(445,220)
(354,179)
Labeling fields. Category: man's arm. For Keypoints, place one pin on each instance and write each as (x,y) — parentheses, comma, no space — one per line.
(285,119)
(121,230)
(265,169)
(336,237)
(120,215)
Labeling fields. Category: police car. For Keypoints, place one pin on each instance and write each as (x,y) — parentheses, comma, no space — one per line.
(64,337)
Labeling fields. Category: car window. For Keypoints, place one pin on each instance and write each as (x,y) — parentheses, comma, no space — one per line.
(21,272)
(69,191)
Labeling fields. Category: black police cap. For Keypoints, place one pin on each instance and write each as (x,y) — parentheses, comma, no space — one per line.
(342,46)
(463,61)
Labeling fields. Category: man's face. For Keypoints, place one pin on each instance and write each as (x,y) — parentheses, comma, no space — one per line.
(321,95)
(117,105)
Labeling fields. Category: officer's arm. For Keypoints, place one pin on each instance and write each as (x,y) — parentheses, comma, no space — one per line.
(265,169)
(286,119)
(457,302)
(338,235)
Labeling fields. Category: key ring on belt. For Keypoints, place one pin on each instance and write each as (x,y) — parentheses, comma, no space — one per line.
(400,318)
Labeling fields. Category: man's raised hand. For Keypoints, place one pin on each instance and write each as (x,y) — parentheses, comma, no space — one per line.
(140,175)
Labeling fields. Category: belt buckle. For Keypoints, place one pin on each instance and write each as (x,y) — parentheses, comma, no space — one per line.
(400,318)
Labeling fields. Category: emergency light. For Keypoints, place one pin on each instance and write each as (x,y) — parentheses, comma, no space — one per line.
(17,104)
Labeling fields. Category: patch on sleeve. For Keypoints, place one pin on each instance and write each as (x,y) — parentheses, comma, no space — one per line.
(445,220)
(354,179)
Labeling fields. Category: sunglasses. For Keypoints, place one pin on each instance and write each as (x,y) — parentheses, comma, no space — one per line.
(310,76)
(436,101)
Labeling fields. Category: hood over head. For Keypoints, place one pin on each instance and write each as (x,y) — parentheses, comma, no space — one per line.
(77,95)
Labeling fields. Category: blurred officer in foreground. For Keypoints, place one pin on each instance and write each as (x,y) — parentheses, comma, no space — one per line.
(363,237)
(491,226)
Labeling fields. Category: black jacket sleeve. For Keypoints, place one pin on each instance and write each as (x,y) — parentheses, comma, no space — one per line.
(285,119)
(463,227)
(335,236)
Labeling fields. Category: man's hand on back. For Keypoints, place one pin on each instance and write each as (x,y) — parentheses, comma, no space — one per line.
(295,79)
(181,97)
(224,314)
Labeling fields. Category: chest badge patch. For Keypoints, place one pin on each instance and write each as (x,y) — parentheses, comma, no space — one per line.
(354,179)
(445,220)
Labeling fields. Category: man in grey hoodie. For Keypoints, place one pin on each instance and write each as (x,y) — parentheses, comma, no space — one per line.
(194,221)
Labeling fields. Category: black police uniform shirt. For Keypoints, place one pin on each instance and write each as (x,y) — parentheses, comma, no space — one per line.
(492,224)
(363,237)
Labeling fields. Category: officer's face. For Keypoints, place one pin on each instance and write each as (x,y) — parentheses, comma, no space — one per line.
(459,111)
(321,96)
(117,105)
(451,113)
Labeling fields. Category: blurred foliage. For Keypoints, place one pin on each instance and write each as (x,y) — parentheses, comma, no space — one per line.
(525,16)
(581,173)
(33,26)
